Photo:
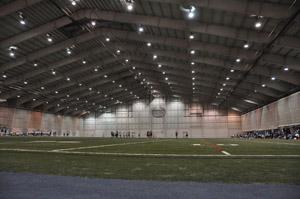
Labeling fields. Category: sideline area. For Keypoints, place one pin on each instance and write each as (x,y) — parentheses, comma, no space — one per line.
(26,185)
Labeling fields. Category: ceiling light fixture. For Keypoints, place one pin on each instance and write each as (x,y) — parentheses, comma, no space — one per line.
(191,37)
(246,45)
(22,18)
(93,23)
(141,29)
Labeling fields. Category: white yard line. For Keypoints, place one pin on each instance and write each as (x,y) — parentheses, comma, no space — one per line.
(149,154)
(107,145)
(225,152)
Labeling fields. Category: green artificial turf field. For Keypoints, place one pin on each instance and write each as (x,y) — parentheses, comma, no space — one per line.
(205,160)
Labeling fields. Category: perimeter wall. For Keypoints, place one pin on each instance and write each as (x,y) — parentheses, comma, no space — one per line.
(163,119)
(284,112)
(19,120)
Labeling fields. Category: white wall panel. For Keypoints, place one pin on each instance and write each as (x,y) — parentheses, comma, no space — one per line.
(139,118)
(284,112)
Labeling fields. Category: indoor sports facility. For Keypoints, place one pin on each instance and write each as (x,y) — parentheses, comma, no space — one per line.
(149,99)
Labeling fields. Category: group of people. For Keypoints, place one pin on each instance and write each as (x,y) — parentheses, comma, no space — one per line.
(4,131)
(281,133)
(119,134)
(185,134)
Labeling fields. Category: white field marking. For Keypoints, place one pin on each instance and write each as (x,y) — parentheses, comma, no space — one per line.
(196,144)
(226,153)
(68,142)
(149,154)
(63,142)
(227,144)
(107,145)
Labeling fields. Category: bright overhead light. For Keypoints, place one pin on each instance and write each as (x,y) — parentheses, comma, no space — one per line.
(286,69)
(83,61)
(273,78)
(96,69)
(118,51)
(105,76)
(221,89)
(154,56)
(107,39)
(73,3)
(238,60)
(191,14)
(246,45)
(192,63)
(133,67)
(163,72)
(263,85)
(192,52)
(227,78)
(149,44)
(68,79)
(35,64)
(192,36)
(193,78)
(250,101)
(90,89)
(130,7)
(126,60)
(56,92)
(219,93)
(33,99)
(49,39)
(80,84)
(236,109)
(93,23)
(258,24)
(141,29)
(22,21)
(231,70)
(22,18)
(120,86)
(25,82)
(224,84)
(53,72)
(4,76)
(113,81)
(193,71)
(69,52)
(159,65)
(12,54)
